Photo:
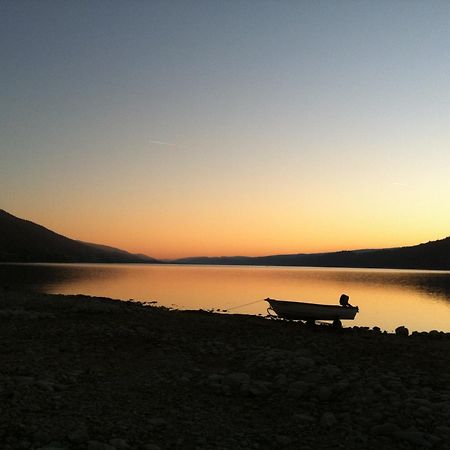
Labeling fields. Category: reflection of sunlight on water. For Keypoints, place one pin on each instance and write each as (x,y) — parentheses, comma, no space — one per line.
(387,298)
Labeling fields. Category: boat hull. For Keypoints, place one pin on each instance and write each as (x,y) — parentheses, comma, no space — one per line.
(311,311)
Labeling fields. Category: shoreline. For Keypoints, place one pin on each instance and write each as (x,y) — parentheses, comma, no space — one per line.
(80,372)
(278,266)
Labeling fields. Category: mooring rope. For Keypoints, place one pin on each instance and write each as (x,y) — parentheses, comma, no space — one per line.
(241,306)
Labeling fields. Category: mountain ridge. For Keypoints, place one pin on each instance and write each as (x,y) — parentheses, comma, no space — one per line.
(432,255)
(22,240)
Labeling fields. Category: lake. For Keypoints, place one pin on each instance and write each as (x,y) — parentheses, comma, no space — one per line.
(420,300)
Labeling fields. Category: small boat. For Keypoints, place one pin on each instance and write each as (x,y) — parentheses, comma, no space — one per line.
(310,311)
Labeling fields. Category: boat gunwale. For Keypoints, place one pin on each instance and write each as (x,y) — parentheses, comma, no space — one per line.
(310,304)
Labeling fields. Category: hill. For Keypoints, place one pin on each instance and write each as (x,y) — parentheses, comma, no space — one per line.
(25,241)
(434,255)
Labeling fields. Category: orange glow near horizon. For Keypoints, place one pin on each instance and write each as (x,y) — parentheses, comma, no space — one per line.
(254,234)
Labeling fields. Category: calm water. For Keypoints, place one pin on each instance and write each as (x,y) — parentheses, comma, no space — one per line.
(387,298)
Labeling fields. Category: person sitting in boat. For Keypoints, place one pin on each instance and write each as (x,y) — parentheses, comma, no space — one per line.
(343,301)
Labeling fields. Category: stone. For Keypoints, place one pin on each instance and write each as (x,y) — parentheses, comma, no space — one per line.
(51,448)
(328,419)
(302,418)
(41,436)
(96,445)
(282,440)
(417,438)
(422,411)
(158,422)
(151,447)
(215,378)
(298,389)
(331,371)
(237,379)
(25,381)
(324,393)
(119,444)
(78,436)
(45,385)
(304,363)
(385,429)
(260,388)
(442,430)
(281,380)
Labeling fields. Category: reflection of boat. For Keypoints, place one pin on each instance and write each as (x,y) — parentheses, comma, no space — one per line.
(310,311)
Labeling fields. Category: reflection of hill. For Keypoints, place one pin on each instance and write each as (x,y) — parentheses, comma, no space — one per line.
(437,286)
(435,283)
(432,256)
(39,277)
(24,241)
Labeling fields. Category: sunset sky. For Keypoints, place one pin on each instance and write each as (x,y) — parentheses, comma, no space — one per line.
(181,128)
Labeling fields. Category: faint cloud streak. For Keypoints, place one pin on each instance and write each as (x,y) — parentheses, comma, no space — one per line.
(154,142)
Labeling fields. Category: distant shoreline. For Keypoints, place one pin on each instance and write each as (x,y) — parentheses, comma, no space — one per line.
(221,265)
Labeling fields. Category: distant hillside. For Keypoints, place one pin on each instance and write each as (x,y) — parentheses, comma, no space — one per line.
(433,255)
(24,241)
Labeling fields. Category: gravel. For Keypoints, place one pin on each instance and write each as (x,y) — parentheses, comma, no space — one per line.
(80,372)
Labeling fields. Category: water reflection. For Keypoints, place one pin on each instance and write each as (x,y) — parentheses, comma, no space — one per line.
(387,298)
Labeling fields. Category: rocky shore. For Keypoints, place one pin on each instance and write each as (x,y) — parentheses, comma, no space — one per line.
(78,372)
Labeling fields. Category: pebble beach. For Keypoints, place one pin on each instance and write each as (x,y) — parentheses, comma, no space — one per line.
(79,372)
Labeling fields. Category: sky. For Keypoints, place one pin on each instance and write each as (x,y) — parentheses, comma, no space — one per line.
(182,128)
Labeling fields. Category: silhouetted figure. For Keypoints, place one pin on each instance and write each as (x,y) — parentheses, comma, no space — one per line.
(343,301)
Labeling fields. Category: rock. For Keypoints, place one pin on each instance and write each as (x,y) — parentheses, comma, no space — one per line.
(151,447)
(51,448)
(324,393)
(96,445)
(282,440)
(303,418)
(422,411)
(342,386)
(416,402)
(298,389)
(119,444)
(402,331)
(385,429)
(417,438)
(331,371)
(328,419)
(304,363)
(215,378)
(281,380)
(158,422)
(256,388)
(41,436)
(25,381)
(78,436)
(45,385)
(237,379)
(442,430)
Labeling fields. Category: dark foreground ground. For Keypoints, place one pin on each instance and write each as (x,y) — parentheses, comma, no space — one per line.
(85,373)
